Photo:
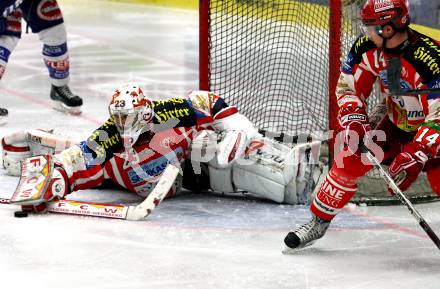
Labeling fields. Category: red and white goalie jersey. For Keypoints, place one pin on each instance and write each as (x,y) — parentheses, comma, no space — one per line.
(176,122)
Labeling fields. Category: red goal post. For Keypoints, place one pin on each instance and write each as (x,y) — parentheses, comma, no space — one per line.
(279,61)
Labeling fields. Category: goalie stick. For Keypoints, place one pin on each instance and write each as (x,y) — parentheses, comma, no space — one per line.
(399,195)
(117,211)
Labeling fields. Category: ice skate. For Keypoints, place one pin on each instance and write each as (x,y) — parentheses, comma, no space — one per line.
(3,115)
(305,235)
(65,100)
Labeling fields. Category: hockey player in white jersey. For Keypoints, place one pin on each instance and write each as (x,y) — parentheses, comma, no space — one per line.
(45,18)
(142,136)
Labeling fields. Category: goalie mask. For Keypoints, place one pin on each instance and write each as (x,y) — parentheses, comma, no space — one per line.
(131,111)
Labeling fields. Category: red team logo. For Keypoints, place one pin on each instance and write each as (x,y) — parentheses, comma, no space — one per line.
(14,21)
(49,10)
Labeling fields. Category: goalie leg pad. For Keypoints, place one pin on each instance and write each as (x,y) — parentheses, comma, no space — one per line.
(262,181)
(220,179)
(276,171)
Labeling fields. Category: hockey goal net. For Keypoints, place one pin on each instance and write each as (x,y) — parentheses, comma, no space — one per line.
(278,61)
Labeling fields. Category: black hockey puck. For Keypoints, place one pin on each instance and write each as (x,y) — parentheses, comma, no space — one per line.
(20,214)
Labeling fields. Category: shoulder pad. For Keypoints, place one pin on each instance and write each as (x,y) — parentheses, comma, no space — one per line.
(360,46)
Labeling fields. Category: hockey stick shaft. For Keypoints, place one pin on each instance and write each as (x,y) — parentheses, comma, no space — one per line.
(402,197)
(116,211)
(393,77)
(401,92)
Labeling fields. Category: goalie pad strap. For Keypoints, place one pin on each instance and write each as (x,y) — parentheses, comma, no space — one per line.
(15,149)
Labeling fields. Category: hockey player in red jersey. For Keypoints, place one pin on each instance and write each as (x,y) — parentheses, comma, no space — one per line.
(142,136)
(411,124)
(45,18)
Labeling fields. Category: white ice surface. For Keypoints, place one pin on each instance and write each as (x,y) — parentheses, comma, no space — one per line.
(191,241)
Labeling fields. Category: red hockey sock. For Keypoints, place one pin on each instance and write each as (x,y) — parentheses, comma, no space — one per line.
(332,197)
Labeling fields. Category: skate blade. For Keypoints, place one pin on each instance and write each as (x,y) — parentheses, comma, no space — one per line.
(292,251)
(3,120)
(58,106)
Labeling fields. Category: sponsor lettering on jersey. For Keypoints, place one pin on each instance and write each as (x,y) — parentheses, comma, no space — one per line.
(415,114)
(176,108)
(155,167)
(165,114)
(175,100)
(361,40)
(429,55)
(102,144)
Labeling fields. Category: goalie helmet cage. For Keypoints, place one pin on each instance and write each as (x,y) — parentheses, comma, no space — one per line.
(278,61)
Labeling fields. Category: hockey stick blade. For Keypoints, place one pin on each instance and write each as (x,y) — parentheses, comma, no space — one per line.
(116,211)
(399,195)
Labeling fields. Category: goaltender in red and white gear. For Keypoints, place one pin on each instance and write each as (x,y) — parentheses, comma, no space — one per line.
(134,146)
(268,169)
